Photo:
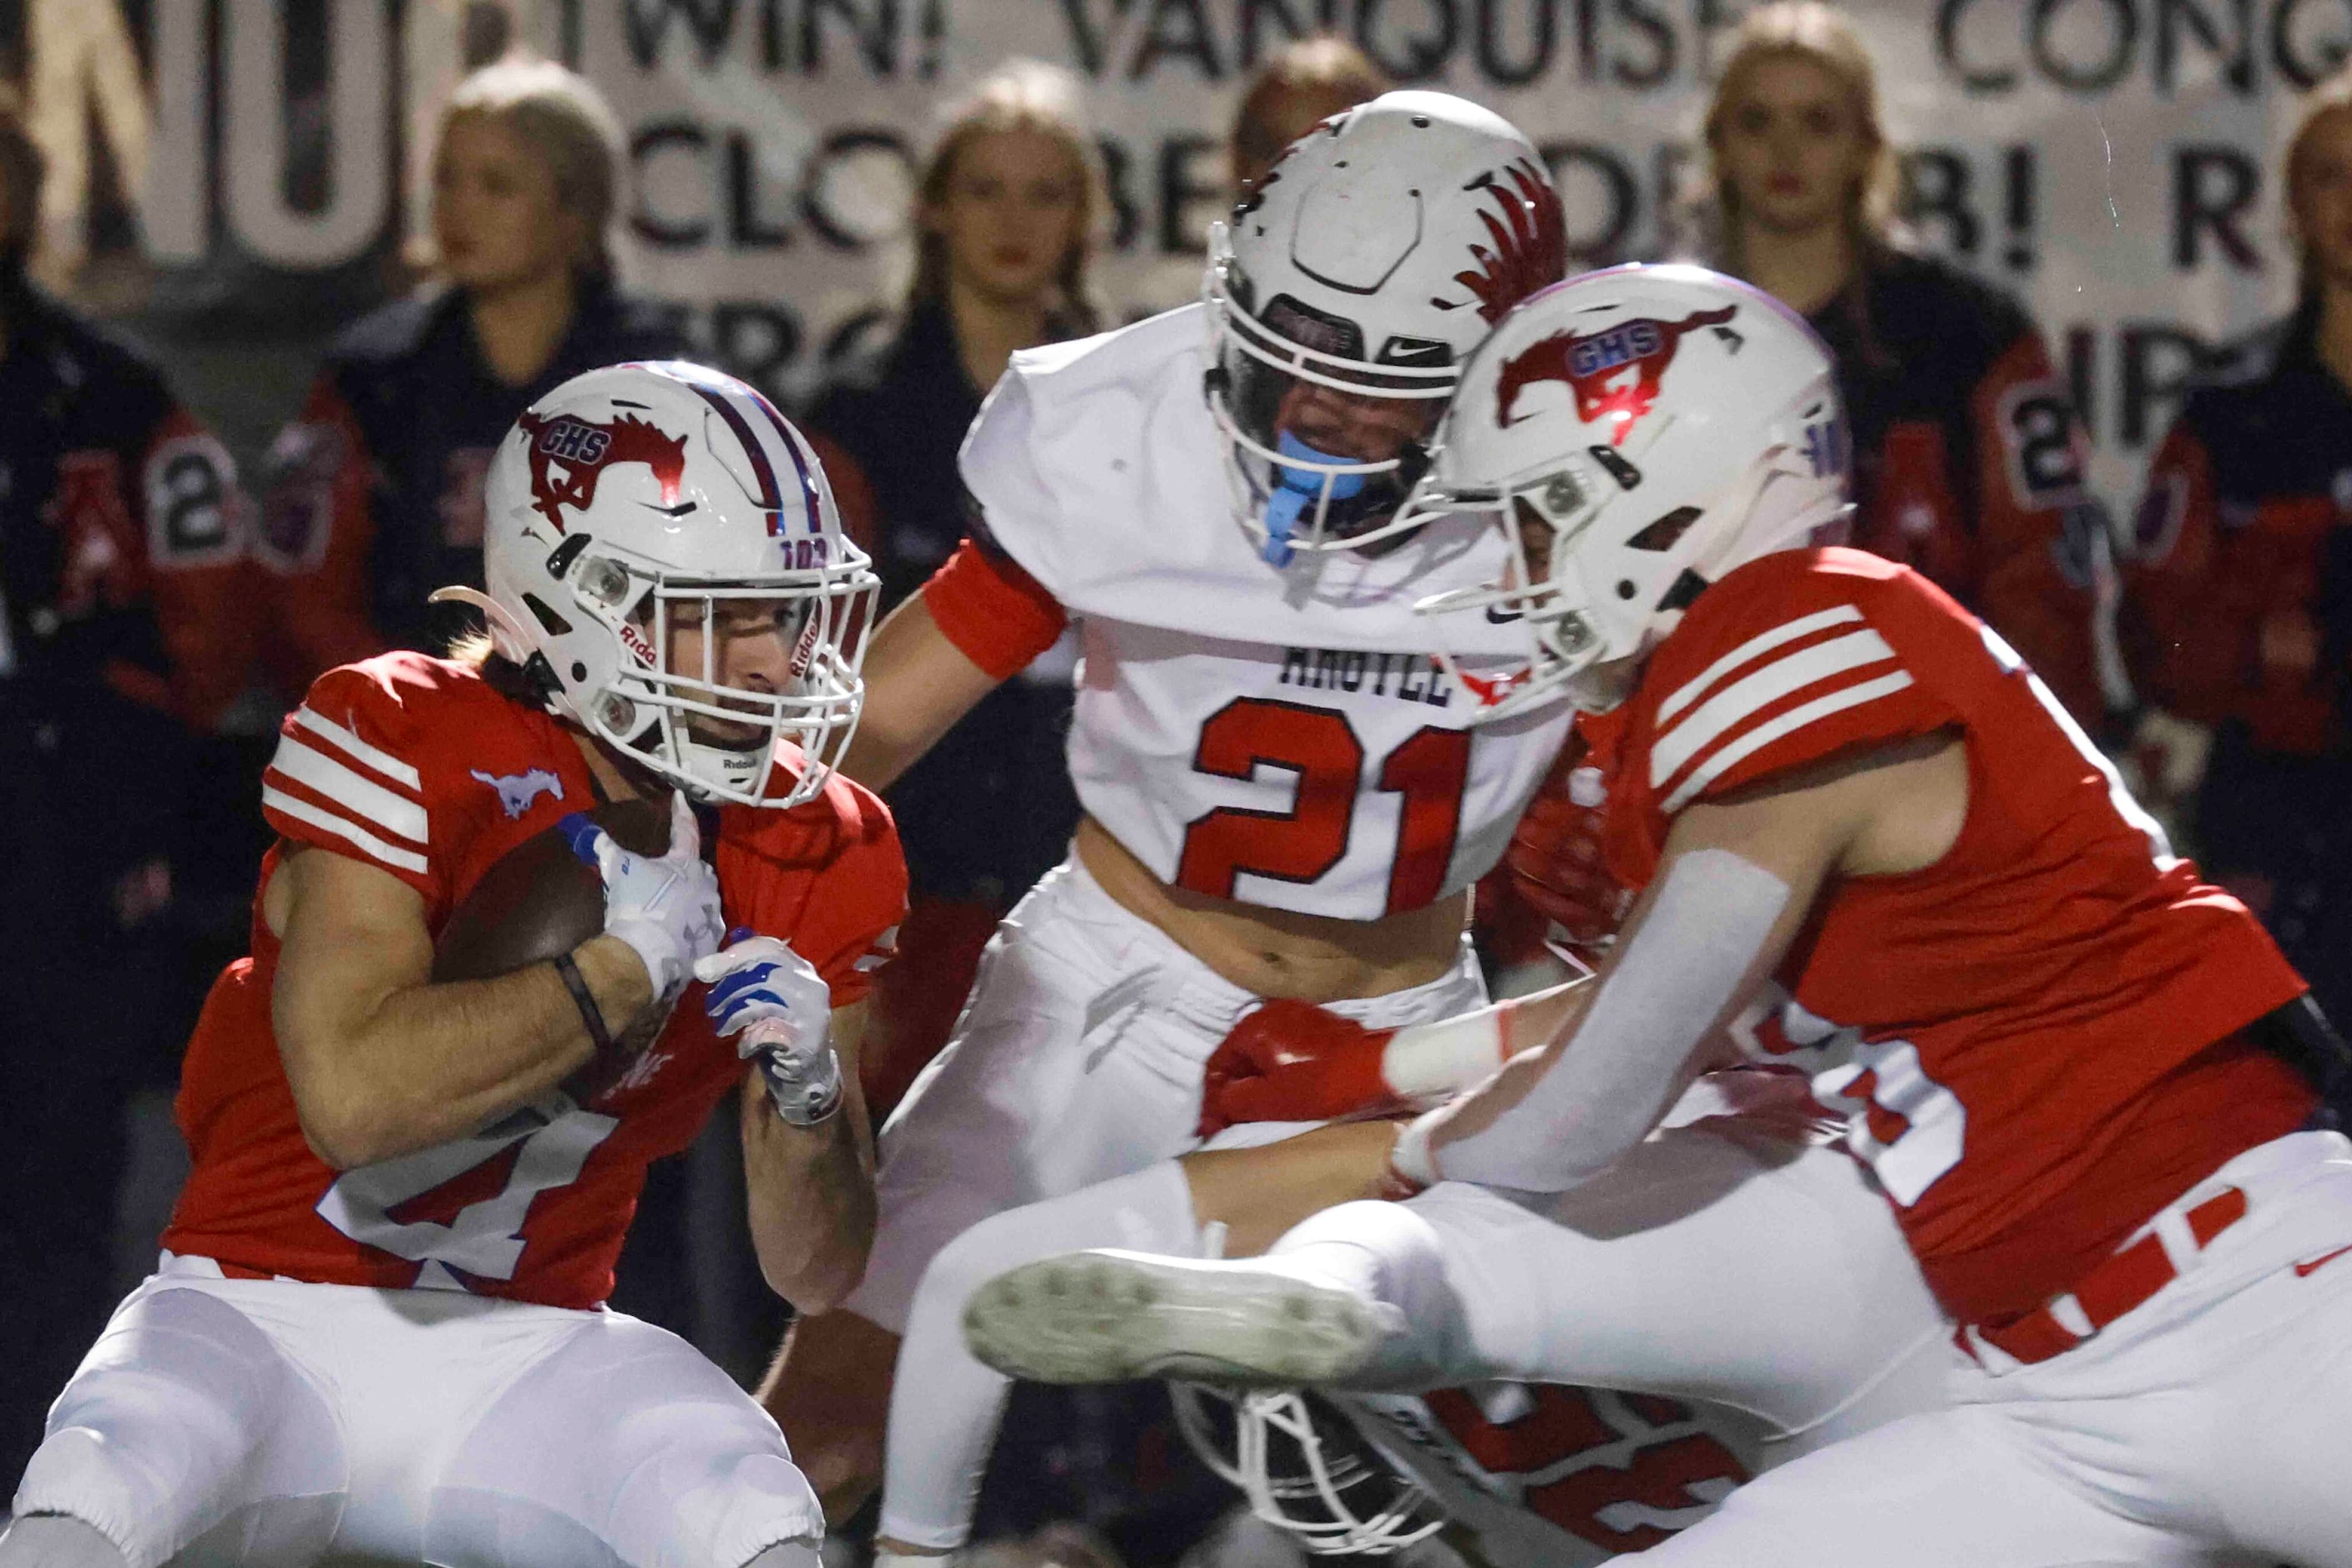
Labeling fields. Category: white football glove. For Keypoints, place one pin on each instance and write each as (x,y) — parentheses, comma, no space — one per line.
(781,1011)
(665,907)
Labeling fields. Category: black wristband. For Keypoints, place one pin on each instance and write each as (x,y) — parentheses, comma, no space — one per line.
(585,1000)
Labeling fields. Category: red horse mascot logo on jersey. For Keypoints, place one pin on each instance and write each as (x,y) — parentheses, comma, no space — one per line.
(586,450)
(1615,373)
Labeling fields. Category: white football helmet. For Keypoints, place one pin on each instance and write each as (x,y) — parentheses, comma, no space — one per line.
(1636,433)
(635,501)
(1345,294)
(1307,1469)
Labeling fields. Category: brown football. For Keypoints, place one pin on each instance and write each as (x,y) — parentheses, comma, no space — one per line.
(541,900)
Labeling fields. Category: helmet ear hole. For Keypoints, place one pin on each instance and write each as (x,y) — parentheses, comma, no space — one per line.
(555,626)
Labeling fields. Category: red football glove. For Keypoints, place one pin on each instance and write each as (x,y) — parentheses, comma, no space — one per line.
(1556,863)
(1293,1061)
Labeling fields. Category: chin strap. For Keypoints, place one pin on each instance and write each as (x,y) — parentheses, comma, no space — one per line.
(1294,487)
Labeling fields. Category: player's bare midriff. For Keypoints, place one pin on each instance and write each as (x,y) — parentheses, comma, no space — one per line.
(1276,953)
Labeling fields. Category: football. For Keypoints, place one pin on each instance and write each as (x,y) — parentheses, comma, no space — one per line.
(541,900)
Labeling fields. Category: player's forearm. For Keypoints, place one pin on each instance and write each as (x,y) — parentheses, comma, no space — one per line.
(1425,1063)
(810,1195)
(428,1063)
(1557,1117)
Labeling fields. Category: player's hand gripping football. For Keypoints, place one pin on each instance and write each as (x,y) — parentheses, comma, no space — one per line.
(781,1011)
(666,907)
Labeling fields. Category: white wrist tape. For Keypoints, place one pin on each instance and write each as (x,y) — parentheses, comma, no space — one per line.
(1427,1062)
(1410,1157)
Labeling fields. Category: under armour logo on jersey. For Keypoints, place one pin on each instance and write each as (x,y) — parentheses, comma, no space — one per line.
(518,791)
(569,455)
(1596,367)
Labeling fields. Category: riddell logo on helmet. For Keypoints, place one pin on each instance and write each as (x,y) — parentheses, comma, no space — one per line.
(1596,367)
(583,451)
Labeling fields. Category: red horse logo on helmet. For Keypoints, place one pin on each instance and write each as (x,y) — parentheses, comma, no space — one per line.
(1595,367)
(584,450)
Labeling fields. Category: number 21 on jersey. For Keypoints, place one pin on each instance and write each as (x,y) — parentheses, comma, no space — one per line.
(1427,772)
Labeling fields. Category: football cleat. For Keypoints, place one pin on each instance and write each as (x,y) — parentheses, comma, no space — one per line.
(1107,1316)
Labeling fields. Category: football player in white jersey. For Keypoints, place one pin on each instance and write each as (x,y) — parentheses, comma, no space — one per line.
(1282,796)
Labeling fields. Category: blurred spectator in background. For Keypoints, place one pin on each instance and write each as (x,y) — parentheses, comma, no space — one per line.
(122,635)
(375,494)
(2237,613)
(1007,205)
(1305,81)
(1967,461)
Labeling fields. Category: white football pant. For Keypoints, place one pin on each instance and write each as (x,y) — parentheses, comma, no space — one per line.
(1077,1058)
(273,1422)
(1740,1261)
(2210,1425)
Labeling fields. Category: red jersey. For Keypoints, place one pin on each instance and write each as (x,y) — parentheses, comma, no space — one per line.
(2033,1037)
(417,766)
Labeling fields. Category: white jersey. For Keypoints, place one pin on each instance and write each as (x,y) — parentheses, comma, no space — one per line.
(1278,736)
(1548,1476)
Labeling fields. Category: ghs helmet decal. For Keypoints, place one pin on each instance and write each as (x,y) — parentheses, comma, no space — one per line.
(584,450)
(1593,366)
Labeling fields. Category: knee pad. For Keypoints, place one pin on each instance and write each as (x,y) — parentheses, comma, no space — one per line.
(184,1416)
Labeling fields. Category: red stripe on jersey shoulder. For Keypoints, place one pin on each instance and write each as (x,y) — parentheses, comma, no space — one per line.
(1786,661)
(356,771)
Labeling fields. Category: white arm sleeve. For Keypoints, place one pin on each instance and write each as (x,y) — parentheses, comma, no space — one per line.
(1629,1058)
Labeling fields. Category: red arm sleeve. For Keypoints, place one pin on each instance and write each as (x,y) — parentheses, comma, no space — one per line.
(998,615)
(316,529)
(2040,566)
(199,576)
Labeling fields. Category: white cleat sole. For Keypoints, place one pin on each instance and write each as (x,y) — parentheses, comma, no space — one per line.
(1107,1316)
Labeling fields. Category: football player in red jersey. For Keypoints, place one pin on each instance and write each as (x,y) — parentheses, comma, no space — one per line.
(1871,845)
(376,1330)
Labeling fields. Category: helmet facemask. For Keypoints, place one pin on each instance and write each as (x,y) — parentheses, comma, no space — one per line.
(1542,519)
(1305,1469)
(1323,444)
(719,739)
